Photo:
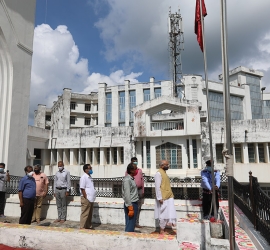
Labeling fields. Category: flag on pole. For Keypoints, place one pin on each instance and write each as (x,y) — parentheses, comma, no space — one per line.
(198,22)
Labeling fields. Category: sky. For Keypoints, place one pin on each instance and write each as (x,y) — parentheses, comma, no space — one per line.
(79,43)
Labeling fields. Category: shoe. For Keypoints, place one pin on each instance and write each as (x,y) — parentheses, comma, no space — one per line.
(138,226)
(206,217)
(57,220)
(2,216)
(38,222)
(62,221)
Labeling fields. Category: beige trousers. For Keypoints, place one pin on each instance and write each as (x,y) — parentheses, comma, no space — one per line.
(37,208)
(86,213)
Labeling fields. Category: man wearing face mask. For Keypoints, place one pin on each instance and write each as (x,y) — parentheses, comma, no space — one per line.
(130,196)
(61,191)
(206,184)
(164,207)
(88,196)
(4,177)
(41,192)
(138,177)
(27,195)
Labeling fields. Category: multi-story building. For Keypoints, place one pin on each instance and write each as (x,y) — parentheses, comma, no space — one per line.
(147,120)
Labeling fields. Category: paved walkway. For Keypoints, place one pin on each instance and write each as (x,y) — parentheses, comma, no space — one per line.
(76,224)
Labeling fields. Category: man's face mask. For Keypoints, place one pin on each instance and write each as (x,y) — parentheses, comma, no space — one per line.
(209,168)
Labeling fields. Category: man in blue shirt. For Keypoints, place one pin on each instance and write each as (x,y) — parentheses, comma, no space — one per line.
(206,184)
(27,195)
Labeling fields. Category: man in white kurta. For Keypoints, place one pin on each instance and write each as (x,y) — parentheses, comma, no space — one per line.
(164,207)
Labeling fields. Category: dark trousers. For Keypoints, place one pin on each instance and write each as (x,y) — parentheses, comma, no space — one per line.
(206,204)
(27,211)
(131,222)
(2,202)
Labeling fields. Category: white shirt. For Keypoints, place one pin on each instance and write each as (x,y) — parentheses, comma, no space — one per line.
(86,183)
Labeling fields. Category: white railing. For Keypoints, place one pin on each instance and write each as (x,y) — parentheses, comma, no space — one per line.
(179,125)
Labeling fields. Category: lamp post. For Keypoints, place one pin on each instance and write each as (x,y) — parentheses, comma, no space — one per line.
(262,89)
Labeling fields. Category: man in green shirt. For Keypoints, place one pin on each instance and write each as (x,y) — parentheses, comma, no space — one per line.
(130,196)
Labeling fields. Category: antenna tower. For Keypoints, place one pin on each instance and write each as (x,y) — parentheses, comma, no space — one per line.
(176,45)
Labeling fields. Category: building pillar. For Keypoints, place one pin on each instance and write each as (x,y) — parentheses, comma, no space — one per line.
(256,153)
(152,89)
(266,152)
(127,108)
(115,107)
(190,152)
(144,154)
(102,156)
(66,156)
(199,154)
(245,152)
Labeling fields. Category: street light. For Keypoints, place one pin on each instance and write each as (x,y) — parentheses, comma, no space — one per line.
(262,89)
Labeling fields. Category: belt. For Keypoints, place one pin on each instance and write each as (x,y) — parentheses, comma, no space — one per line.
(60,188)
(206,191)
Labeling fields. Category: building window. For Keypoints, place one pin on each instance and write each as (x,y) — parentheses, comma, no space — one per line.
(157,92)
(251,153)
(87,107)
(108,156)
(148,154)
(180,91)
(255,96)
(131,124)
(146,95)
(122,155)
(73,105)
(87,121)
(261,152)
(195,159)
(114,156)
(48,118)
(122,124)
(91,156)
(72,119)
(188,156)
(132,104)
(122,104)
(217,107)
(98,156)
(37,153)
(238,153)
(108,109)
(171,152)
(219,155)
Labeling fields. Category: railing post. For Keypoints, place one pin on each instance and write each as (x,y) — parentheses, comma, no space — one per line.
(252,199)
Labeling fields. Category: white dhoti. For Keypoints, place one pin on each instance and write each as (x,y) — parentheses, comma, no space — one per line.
(164,212)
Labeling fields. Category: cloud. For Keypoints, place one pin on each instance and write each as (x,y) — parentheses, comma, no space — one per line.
(57,64)
(136,32)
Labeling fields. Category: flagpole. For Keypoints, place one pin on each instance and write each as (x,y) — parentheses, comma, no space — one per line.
(214,205)
(229,159)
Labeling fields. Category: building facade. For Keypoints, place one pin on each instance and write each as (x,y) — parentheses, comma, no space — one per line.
(147,120)
(16,43)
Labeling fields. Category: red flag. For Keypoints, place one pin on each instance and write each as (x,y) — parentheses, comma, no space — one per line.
(198,24)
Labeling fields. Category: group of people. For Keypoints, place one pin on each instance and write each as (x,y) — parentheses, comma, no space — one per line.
(33,187)
(165,213)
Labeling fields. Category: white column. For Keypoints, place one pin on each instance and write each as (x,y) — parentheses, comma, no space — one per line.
(184,155)
(199,154)
(102,156)
(87,156)
(152,90)
(245,153)
(115,107)
(266,152)
(256,153)
(127,102)
(66,156)
(144,154)
(191,152)
(59,155)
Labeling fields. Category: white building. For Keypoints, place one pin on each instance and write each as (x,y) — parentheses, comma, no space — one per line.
(147,121)
(16,42)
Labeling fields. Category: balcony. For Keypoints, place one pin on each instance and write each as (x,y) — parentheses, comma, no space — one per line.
(179,125)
